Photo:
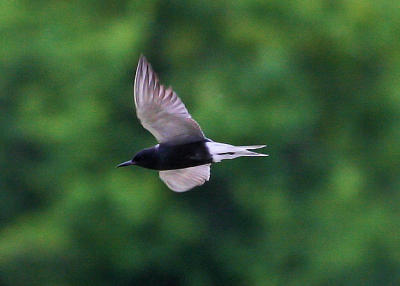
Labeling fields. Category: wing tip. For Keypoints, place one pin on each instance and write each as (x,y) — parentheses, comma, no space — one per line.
(141,62)
(144,68)
(142,59)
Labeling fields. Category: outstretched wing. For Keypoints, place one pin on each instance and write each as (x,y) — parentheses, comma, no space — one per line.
(182,180)
(160,110)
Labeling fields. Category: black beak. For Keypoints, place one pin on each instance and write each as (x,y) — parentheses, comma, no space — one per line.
(127,163)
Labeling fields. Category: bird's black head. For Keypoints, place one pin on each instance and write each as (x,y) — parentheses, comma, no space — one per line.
(146,158)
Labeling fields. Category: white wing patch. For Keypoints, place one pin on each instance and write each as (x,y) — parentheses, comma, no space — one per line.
(182,180)
(160,110)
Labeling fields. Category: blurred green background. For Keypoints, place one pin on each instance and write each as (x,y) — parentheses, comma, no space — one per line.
(318,81)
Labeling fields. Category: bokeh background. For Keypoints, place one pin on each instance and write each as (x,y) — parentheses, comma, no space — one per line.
(318,81)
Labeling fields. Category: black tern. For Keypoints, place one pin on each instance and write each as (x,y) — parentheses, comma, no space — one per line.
(183,155)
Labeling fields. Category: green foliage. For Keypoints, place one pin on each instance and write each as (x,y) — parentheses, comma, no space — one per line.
(318,81)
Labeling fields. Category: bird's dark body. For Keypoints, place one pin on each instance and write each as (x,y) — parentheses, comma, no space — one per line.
(174,156)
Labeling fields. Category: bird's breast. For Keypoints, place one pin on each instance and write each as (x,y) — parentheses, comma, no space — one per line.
(183,155)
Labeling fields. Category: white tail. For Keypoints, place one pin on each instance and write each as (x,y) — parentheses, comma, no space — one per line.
(251,147)
(222,151)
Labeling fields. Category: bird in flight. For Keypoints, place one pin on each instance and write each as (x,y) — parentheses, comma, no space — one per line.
(184,155)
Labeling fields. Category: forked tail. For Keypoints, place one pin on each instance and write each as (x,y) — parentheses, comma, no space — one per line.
(222,151)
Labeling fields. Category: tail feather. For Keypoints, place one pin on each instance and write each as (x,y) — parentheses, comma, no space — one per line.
(221,151)
(251,147)
(250,153)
